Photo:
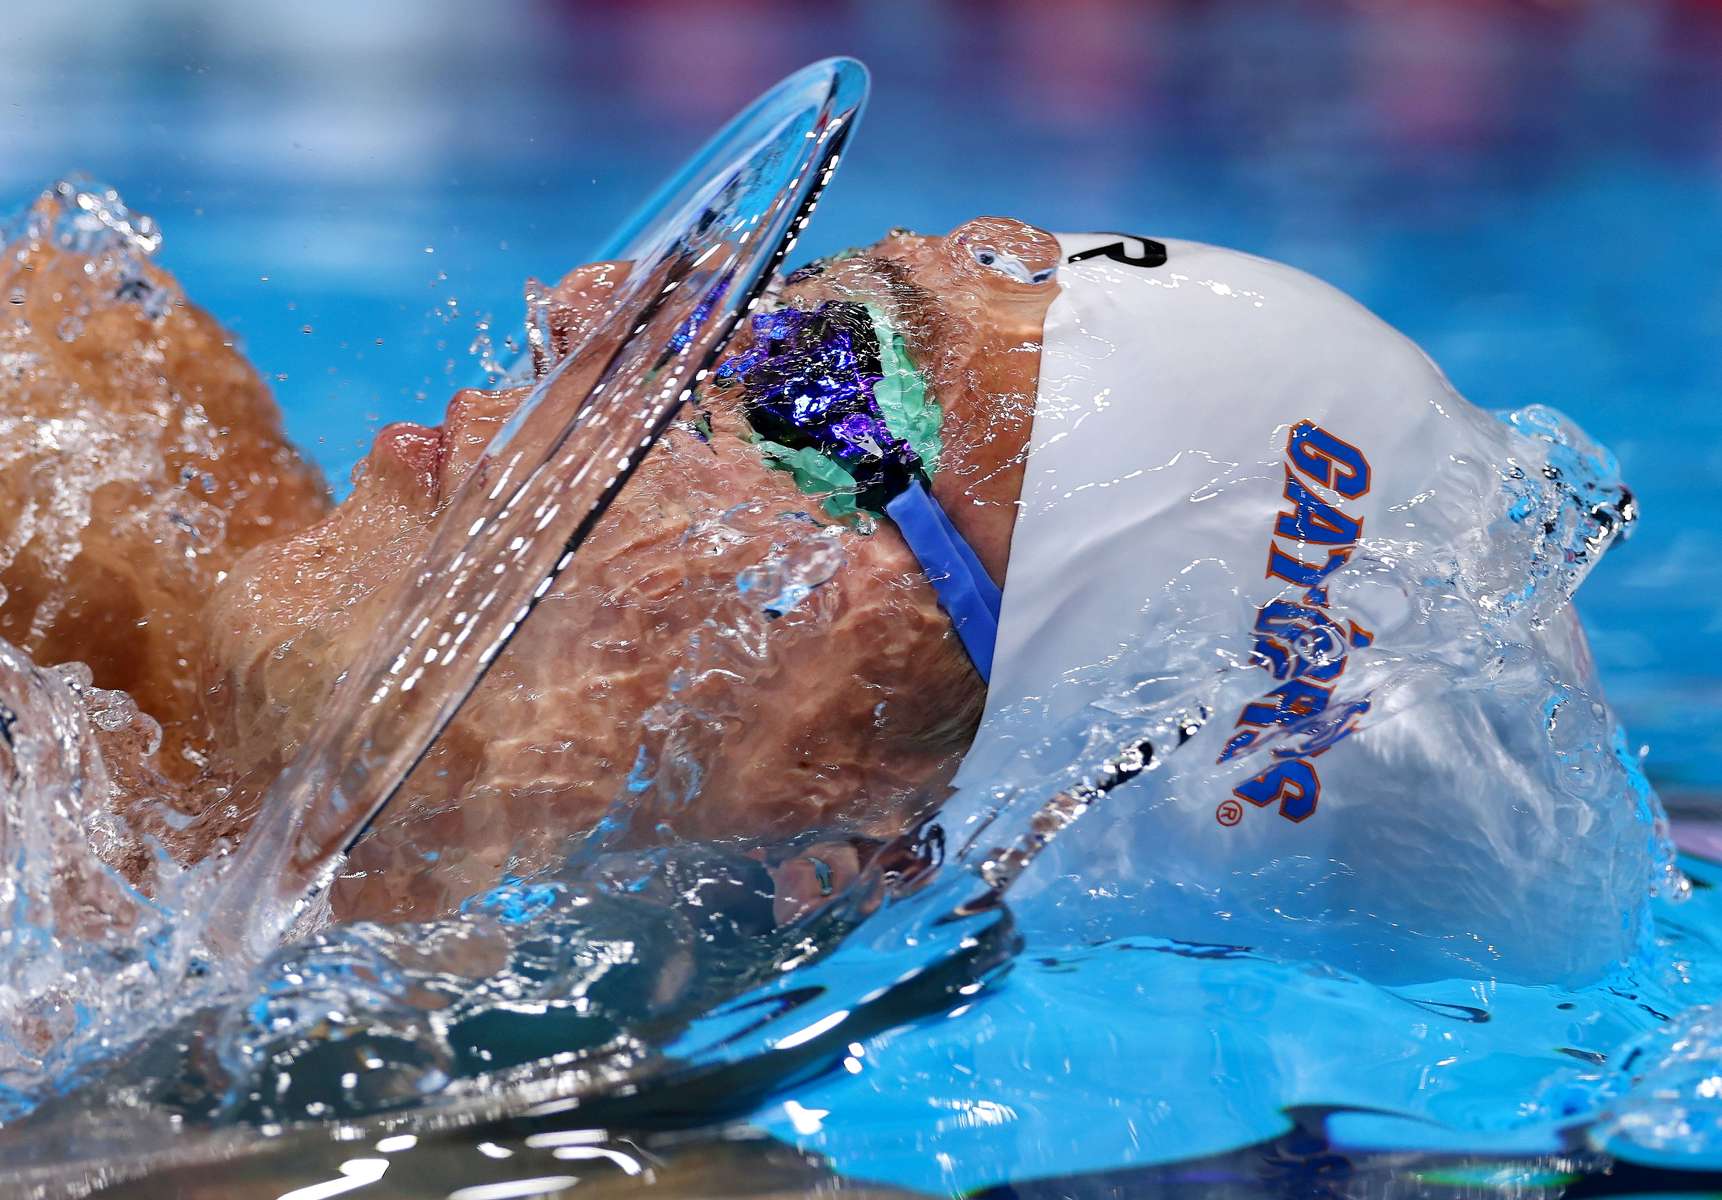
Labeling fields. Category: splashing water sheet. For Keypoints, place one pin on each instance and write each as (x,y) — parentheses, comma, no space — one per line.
(1485,952)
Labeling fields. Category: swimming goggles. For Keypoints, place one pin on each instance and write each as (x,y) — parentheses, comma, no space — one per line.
(833,398)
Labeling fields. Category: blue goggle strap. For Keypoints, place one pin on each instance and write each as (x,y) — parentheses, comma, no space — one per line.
(966,592)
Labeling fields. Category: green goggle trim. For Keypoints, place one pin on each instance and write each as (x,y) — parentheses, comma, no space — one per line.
(901,403)
(816,475)
(901,393)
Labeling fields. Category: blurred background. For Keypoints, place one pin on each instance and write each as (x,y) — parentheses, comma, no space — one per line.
(1531,190)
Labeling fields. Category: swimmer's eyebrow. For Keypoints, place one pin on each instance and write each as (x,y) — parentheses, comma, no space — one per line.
(911,309)
(914,307)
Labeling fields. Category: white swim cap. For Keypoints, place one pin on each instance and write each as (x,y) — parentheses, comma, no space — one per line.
(1202,415)
(1214,437)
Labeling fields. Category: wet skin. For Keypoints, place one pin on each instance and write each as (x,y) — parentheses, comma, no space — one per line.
(140,456)
(852,723)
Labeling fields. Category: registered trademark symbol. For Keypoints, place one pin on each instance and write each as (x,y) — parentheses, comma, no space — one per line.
(1229,813)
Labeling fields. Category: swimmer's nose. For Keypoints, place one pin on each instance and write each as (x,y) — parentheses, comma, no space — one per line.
(1003,255)
(572,308)
(407,457)
(425,465)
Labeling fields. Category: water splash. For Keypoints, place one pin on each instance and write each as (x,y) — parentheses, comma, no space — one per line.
(88,958)
(699,256)
(87,218)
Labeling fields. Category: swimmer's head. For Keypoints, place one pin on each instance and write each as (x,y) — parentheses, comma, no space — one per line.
(1118,443)
(857,726)
(866,701)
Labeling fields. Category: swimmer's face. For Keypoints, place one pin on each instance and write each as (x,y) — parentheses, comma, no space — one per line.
(852,721)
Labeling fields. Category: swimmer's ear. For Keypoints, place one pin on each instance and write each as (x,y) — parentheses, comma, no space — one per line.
(565,314)
(1002,251)
(805,883)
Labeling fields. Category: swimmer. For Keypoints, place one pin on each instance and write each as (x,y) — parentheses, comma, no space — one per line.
(1026,445)
(856,730)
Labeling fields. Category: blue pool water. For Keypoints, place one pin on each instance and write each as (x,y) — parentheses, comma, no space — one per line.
(1533,192)
(1457,1066)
